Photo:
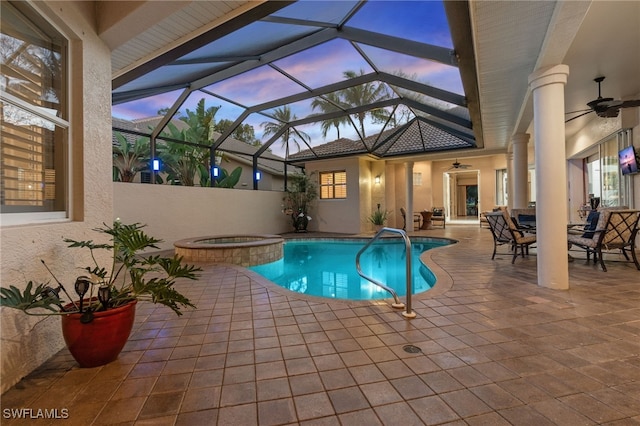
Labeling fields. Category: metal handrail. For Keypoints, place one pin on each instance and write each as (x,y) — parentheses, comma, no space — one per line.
(407,243)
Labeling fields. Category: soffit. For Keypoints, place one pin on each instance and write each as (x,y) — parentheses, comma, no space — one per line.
(508,39)
(138,32)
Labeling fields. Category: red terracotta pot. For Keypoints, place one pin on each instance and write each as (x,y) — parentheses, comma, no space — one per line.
(100,341)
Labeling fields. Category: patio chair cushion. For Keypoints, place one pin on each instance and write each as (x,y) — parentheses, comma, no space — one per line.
(592,222)
(527,219)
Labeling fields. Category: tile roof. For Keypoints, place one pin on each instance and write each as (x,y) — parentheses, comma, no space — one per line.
(417,136)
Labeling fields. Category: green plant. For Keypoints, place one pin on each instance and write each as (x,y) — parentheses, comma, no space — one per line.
(182,161)
(229,180)
(129,158)
(378,217)
(130,276)
(301,191)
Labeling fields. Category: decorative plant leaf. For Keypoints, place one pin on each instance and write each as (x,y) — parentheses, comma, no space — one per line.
(229,180)
(12,298)
(174,267)
(88,244)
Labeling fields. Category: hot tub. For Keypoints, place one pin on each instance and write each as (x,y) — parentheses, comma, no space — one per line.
(244,250)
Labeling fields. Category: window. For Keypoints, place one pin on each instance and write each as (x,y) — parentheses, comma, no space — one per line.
(33,116)
(417,179)
(501,187)
(333,185)
(604,178)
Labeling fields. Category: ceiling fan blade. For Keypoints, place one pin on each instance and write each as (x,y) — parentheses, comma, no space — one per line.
(578,116)
(630,103)
(577,111)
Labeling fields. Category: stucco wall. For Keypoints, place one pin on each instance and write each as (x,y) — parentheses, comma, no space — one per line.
(172,213)
(486,166)
(27,341)
(339,215)
(423,194)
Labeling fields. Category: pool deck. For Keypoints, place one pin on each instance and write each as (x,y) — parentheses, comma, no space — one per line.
(495,349)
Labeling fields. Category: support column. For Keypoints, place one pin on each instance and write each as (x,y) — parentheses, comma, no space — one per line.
(519,199)
(510,180)
(408,169)
(547,86)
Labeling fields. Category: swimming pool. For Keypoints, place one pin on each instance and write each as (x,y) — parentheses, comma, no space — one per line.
(326,268)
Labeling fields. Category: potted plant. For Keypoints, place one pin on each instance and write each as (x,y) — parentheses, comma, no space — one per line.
(301,191)
(97,324)
(378,218)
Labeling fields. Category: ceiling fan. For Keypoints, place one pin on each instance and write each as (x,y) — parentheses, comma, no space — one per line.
(604,107)
(458,165)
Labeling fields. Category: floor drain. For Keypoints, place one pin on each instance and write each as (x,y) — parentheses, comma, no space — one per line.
(412,349)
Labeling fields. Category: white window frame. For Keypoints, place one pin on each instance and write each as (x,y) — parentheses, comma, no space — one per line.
(35,218)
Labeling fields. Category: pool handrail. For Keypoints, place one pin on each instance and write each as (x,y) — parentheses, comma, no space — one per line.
(407,243)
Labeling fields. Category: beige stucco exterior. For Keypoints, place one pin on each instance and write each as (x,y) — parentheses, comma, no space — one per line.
(28,341)
(173,213)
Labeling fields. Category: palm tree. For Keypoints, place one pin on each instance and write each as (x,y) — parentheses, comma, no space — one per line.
(328,104)
(283,117)
(364,94)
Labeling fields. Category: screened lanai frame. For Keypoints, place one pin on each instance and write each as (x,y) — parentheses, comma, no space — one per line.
(273,44)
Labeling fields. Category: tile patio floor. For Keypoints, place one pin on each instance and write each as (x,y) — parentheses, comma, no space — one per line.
(496,349)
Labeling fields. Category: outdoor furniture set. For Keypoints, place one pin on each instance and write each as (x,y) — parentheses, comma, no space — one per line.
(608,229)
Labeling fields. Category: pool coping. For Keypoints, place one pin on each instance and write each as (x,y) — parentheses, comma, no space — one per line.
(250,250)
(261,239)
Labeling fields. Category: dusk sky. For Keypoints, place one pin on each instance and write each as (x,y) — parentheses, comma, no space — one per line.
(422,21)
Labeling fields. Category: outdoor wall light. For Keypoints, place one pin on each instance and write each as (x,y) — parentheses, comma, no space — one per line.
(377,180)
(156,165)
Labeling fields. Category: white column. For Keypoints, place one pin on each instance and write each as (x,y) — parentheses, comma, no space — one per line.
(510,180)
(408,168)
(547,86)
(520,170)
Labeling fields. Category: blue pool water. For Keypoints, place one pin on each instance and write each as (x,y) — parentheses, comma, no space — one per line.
(326,268)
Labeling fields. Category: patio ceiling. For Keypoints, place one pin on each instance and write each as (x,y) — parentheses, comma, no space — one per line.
(275,57)
(159,51)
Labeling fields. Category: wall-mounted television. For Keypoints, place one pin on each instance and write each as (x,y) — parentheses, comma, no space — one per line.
(628,160)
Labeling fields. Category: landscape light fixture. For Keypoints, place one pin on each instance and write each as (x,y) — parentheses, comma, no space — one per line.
(258,175)
(156,165)
(104,295)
